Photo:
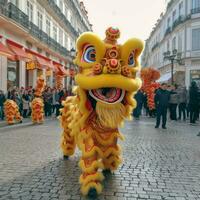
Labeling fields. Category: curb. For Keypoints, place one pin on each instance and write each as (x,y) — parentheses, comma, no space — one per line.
(27,122)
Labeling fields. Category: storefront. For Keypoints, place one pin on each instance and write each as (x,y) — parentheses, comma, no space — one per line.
(12,74)
(48,77)
(195,76)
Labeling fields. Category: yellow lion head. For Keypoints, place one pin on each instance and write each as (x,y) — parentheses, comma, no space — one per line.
(107,75)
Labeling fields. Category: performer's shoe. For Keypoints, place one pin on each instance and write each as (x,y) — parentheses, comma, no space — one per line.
(156,126)
(164,127)
(92,193)
(106,172)
(20,121)
(65,157)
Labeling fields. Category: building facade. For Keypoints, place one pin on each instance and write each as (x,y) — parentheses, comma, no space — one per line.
(177,29)
(41,35)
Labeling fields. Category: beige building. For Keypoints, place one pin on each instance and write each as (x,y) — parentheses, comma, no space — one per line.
(41,36)
(177,29)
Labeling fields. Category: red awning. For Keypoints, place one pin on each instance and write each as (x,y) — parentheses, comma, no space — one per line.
(42,61)
(60,70)
(5,51)
(45,63)
(17,49)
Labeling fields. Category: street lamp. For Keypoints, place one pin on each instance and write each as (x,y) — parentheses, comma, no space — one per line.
(172,56)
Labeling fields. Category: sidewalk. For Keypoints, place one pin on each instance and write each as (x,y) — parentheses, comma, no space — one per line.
(26,122)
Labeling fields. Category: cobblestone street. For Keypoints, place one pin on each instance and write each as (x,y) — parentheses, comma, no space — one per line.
(158,164)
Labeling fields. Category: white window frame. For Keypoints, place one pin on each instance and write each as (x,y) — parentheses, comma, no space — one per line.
(195,4)
(196,42)
(173,15)
(29,10)
(174,43)
(61,36)
(180,8)
(39,19)
(55,32)
(48,26)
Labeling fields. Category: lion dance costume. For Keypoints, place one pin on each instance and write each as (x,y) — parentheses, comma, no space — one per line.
(149,75)
(11,111)
(37,104)
(104,98)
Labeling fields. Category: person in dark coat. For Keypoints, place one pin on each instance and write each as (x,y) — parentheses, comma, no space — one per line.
(193,102)
(2,100)
(182,93)
(162,101)
(139,97)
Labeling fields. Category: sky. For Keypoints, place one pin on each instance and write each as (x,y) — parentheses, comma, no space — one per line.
(134,18)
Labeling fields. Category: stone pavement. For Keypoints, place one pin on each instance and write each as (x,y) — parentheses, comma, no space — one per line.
(158,164)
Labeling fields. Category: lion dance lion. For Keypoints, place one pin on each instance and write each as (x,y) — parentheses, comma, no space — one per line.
(104,99)
(37,105)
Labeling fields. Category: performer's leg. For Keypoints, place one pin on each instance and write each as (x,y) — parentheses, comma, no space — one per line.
(18,116)
(90,178)
(113,160)
(67,143)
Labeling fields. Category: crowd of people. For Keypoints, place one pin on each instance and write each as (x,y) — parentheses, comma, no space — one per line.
(23,97)
(180,102)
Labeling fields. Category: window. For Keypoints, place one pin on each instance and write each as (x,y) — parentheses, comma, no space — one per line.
(29,10)
(66,41)
(66,11)
(39,19)
(48,26)
(196,39)
(69,42)
(174,15)
(180,7)
(174,43)
(69,16)
(12,74)
(168,22)
(61,36)
(195,4)
(61,5)
(168,45)
(55,32)
(180,43)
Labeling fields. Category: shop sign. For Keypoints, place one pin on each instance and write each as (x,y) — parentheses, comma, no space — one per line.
(31,65)
(48,72)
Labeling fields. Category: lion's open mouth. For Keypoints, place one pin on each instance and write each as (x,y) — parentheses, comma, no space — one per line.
(107,95)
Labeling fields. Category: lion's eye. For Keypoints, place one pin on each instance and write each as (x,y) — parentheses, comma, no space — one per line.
(131,59)
(89,54)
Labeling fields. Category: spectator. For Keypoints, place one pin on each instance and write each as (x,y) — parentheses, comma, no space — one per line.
(48,101)
(139,97)
(56,105)
(2,100)
(25,102)
(162,101)
(182,94)
(173,102)
(193,102)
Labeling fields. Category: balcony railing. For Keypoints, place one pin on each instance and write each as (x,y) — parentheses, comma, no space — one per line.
(195,10)
(155,46)
(14,13)
(62,17)
(178,21)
